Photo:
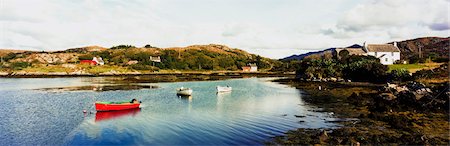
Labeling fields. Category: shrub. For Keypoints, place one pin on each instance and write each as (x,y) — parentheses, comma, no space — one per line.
(9,56)
(19,65)
(86,57)
(400,75)
(104,54)
(366,70)
(123,47)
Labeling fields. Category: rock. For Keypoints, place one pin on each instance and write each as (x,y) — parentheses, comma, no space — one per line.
(57,73)
(333,79)
(323,136)
(19,73)
(79,72)
(299,116)
(4,73)
(388,96)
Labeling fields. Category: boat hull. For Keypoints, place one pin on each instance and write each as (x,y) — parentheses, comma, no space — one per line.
(115,107)
(223,89)
(103,116)
(186,92)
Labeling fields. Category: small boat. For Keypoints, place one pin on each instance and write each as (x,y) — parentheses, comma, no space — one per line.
(223,89)
(114,106)
(103,116)
(184,91)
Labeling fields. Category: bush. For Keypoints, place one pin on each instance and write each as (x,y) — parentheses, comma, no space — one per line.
(149,46)
(19,65)
(104,54)
(400,75)
(9,56)
(365,68)
(86,57)
(123,47)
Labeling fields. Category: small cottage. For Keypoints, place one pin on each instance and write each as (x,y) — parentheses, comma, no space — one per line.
(94,61)
(90,62)
(98,60)
(387,53)
(155,59)
(246,68)
(251,67)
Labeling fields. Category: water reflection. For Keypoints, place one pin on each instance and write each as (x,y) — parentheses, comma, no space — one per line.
(109,115)
(247,116)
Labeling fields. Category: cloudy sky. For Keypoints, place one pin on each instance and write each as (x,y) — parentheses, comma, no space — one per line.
(270,28)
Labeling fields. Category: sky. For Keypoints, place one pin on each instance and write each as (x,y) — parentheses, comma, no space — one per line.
(270,28)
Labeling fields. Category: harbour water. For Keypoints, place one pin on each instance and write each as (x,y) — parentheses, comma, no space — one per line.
(256,110)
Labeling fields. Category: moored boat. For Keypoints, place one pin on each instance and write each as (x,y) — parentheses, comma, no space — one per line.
(184,91)
(224,89)
(102,116)
(114,106)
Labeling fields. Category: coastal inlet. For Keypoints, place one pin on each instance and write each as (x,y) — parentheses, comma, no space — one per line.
(32,112)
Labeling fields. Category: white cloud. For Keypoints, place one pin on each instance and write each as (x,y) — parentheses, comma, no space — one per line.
(267,27)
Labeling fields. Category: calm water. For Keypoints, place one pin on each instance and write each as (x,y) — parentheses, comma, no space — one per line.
(256,110)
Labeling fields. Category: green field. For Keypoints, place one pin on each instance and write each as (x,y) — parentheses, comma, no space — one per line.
(413,67)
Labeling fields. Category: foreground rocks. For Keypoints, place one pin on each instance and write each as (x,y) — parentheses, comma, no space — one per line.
(413,115)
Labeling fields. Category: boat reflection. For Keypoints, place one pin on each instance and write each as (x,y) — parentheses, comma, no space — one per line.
(185,97)
(109,115)
(220,97)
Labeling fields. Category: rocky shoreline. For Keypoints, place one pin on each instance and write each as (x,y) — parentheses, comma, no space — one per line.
(385,116)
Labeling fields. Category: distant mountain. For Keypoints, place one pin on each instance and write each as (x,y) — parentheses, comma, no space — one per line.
(301,56)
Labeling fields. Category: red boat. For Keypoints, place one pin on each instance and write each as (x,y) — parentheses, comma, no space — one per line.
(102,116)
(114,106)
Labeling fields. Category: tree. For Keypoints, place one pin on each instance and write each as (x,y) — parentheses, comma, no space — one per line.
(149,46)
(86,57)
(344,54)
(122,47)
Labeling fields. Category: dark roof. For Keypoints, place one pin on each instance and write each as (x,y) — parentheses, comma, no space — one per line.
(382,48)
(352,51)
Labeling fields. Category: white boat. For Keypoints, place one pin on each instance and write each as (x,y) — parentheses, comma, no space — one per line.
(224,89)
(184,91)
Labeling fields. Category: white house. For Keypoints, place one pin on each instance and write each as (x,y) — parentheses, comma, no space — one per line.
(253,67)
(387,53)
(98,60)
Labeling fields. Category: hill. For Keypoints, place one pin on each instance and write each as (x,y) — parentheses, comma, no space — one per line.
(435,48)
(210,57)
(427,47)
(301,56)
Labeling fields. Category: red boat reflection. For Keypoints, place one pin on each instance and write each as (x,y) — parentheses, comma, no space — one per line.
(108,115)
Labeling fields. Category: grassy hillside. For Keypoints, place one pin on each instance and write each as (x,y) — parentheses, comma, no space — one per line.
(128,58)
